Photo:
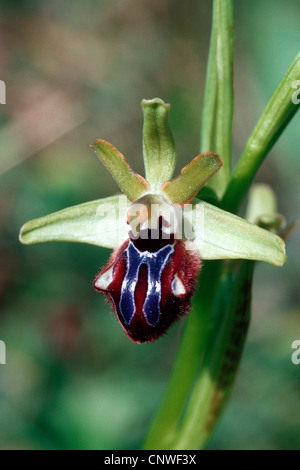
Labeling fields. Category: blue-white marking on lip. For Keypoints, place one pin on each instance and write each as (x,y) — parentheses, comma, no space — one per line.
(155,261)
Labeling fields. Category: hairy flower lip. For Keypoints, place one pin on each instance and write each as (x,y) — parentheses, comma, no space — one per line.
(149,286)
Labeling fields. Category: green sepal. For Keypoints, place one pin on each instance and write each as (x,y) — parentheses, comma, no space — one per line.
(158,144)
(101,222)
(222,235)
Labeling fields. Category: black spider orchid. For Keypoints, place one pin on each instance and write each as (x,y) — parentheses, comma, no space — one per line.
(158,230)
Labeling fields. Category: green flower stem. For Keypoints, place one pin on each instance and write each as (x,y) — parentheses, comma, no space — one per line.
(220,364)
(217,113)
(277,114)
(165,425)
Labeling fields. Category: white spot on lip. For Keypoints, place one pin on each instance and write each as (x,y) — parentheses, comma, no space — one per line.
(177,286)
(104,279)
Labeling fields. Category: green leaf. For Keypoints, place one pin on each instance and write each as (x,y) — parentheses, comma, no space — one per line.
(101,222)
(277,114)
(131,183)
(221,235)
(217,114)
(192,178)
(158,143)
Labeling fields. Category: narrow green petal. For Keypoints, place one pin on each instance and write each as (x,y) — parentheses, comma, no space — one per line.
(192,177)
(101,222)
(222,235)
(132,184)
(158,143)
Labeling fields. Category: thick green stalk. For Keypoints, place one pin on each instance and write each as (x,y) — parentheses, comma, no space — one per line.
(214,384)
(165,425)
(277,114)
(218,96)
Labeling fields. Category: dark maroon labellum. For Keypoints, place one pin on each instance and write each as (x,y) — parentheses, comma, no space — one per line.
(150,282)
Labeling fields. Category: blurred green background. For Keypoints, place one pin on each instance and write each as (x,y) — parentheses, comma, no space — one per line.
(76,71)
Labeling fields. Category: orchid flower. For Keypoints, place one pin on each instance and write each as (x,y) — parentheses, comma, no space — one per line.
(159,231)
